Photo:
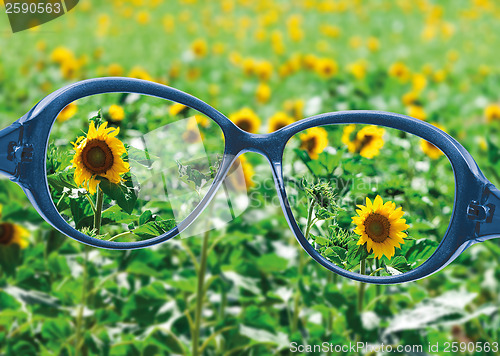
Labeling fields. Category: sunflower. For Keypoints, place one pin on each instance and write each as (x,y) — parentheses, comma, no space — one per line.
(279,120)
(314,141)
(367,142)
(400,70)
(326,67)
(199,48)
(116,112)
(417,112)
(99,155)
(263,93)
(140,73)
(492,112)
(67,113)
(13,234)
(380,226)
(246,120)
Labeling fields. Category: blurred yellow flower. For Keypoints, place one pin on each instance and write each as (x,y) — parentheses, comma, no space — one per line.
(309,61)
(419,82)
(326,67)
(400,71)
(452,55)
(355,42)
(295,108)
(176,108)
(246,119)
(143,17)
(68,112)
(41,45)
(373,44)
(13,234)
(483,144)
(358,69)
(61,55)
(199,47)
(484,70)
(263,93)
(314,141)
(115,70)
(116,112)
(168,22)
(140,73)
(367,142)
(263,70)
(410,98)
(417,112)
(279,120)
(248,65)
(492,112)
(439,76)
(330,30)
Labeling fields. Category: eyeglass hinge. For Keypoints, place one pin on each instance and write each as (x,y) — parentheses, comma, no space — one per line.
(480,213)
(19,153)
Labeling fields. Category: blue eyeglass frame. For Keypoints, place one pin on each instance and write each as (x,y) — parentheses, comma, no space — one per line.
(23,150)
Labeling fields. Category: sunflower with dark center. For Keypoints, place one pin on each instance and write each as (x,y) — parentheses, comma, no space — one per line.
(99,155)
(314,141)
(246,119)
(367,142)
(13,234)
(380,226)
(279,120)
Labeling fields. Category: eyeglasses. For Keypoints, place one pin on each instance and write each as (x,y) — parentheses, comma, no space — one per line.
(121,163)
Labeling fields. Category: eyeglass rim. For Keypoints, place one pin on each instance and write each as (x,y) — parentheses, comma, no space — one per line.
(38,122)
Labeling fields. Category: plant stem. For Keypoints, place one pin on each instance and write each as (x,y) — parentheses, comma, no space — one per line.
(377,286)
(200,294)
(296,299)
(361,291)
(98,211)
(97,229)
(79,320)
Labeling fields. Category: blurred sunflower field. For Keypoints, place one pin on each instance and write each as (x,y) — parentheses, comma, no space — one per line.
(370,199)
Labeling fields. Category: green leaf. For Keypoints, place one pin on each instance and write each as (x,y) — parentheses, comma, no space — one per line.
(320,240)
(420,250)
(59,181)
(56,330)
(10,258)
(123,193)
(154,228)
(117,215)
(145,217)
(272,263)
(400,263)
(355,253)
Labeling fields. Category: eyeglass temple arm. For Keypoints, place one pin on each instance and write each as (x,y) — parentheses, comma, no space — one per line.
(487,214)
(12,151)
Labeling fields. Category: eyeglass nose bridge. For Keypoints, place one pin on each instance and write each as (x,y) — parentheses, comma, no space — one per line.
(269,145)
